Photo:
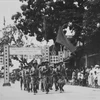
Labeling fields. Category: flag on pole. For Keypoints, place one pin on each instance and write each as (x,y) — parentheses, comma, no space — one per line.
(44,28)
(62,39)
(44,23)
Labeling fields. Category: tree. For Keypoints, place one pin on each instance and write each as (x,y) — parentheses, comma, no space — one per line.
(43,17)
(9,33)
(91,26)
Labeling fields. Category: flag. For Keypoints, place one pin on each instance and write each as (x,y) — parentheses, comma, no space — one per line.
(62,39)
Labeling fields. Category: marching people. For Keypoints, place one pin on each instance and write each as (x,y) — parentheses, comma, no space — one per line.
(32,75)
(48,75)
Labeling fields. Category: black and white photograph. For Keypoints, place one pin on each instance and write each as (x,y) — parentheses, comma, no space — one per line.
(49,49)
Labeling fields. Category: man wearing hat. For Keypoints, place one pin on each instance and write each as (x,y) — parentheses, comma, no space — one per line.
(55,76)
(35,77)
(62,77)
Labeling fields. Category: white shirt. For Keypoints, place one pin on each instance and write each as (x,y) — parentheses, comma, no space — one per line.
(79,75)
(95,76)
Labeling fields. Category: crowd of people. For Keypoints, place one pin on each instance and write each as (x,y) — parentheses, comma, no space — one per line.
(44,77)
(88,77)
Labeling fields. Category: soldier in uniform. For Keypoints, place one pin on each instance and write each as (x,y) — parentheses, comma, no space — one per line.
(24,78)
(46,74)
(28,80)
(55,76)
(43,67)
(51,77)
(21,78)
(62,76)
(35,78)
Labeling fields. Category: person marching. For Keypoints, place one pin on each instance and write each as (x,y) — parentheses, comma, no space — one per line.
(28,80)
(51,77)
(62,75)
(46,74)
(43,76)
(21,78)
(55,76)
(24,78)
(35,78)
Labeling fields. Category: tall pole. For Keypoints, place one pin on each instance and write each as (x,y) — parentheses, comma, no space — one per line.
(4,21)
(86,61)
(6,62)
(44,28)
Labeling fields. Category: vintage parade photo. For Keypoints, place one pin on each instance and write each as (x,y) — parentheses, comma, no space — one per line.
(49,49)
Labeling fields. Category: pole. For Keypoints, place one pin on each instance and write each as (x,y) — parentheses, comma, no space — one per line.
(86,61)
(6,62)
(61,48)
(6,66)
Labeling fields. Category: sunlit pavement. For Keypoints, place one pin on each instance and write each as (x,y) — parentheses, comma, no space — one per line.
(71,93)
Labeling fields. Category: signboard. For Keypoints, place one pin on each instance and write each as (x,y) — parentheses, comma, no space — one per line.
(25,51)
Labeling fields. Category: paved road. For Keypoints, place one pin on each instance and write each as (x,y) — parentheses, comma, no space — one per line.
(71,93)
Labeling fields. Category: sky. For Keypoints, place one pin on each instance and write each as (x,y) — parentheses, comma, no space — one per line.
(7,9)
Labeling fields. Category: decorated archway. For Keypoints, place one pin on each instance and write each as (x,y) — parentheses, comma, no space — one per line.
(26,52)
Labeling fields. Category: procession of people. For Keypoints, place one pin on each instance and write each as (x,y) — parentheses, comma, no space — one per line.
(44,77)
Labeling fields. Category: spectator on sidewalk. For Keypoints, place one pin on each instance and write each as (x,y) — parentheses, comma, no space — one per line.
(90,80)
(79,77)
(95,79)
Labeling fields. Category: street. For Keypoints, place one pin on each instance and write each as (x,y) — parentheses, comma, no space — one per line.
(71,93)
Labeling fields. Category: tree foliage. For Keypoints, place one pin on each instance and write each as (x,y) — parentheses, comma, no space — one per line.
(91,26)
(9,33)
(38,15)
(43,18)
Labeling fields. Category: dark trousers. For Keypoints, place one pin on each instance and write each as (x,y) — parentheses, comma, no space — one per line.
(21,83)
